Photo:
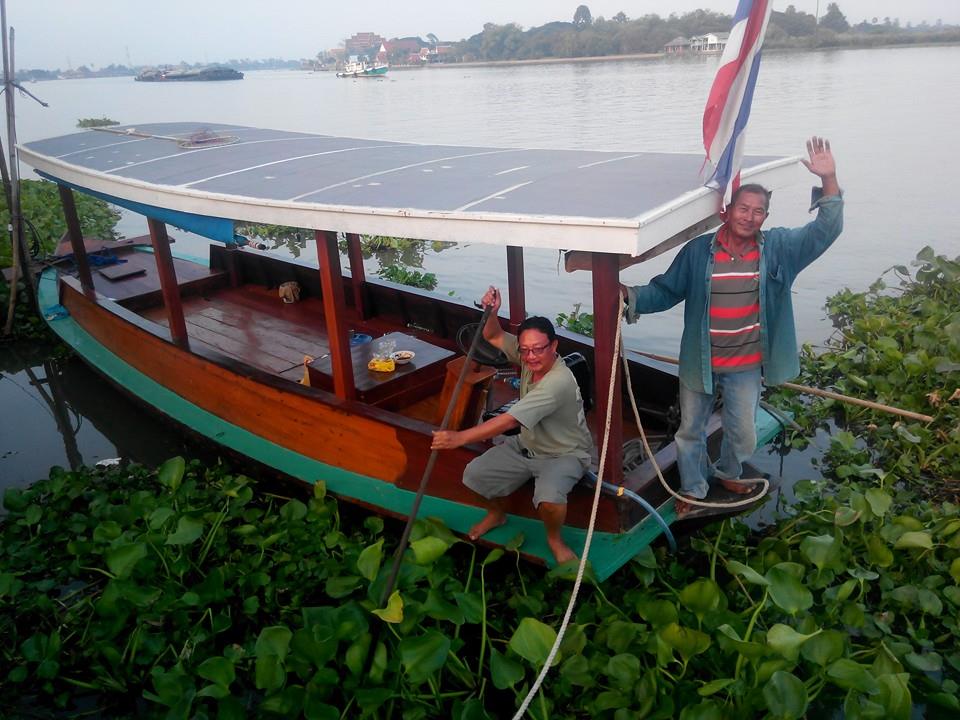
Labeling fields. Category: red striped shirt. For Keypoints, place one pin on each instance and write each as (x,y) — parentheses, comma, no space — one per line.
(737,362)
(732,313)
(735,307)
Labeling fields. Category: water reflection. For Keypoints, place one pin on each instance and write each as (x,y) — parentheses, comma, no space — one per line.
(57,411)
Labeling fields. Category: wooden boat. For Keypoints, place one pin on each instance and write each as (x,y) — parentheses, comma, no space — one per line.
(363,69)
(208,342)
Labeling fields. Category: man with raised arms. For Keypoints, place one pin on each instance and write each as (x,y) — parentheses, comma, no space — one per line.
(554,444)
(738,327)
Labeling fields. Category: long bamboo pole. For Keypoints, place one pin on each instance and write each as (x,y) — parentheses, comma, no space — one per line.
(857,401)
(431,461)
(807,390)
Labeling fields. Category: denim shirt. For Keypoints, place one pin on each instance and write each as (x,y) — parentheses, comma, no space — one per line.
(784,252)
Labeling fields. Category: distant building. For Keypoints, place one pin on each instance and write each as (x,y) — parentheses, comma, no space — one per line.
(441,53)
(410,45)
(709,43)
(677,46)
(360,43)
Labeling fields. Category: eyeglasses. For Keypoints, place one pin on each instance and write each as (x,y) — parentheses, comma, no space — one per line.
(535,351)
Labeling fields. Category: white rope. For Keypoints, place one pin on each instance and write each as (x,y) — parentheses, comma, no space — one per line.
(596,502)
(586,545)
(663,482)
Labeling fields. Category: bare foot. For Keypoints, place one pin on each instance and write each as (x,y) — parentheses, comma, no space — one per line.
(737,486)
(489,522)
(681,508)
(561,551)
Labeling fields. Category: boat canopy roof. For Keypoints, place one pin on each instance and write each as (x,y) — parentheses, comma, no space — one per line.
(199,176)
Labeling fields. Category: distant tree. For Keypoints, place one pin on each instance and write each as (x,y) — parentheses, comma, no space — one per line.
(582,17)
(834,19)
(794,23)
(620,17)
(433,39)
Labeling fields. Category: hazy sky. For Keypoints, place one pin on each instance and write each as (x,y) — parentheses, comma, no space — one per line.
(63,33)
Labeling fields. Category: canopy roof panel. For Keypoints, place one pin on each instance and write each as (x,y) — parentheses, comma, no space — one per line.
(619,202)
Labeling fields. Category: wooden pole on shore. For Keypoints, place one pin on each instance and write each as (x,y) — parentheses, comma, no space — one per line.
(807,390)
(19,254)
(857,401)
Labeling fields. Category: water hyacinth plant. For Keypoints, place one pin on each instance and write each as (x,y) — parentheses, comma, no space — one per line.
(193,591)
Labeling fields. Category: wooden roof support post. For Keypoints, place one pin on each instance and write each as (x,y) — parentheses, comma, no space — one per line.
(76,237)
(355,254)
(606,295)
(168,281)
(516,288)
(331,284)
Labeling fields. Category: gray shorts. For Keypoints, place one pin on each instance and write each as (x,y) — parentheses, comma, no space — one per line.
(504,468)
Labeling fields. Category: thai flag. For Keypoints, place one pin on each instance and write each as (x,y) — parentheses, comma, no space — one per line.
(728,106)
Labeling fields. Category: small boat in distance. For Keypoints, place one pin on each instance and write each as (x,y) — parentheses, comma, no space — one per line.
(363,69)
(196,74)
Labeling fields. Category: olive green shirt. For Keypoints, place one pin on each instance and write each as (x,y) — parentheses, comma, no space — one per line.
(550,411)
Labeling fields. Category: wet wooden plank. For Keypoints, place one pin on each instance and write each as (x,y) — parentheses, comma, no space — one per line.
(266,329)
(243,336)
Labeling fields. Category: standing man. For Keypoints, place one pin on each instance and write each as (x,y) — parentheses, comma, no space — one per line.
(738,327)
(554,444)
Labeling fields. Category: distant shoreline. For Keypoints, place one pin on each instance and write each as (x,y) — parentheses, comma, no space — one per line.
(656,56)
(531,61)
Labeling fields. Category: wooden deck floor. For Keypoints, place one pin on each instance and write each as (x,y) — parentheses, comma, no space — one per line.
(254,326)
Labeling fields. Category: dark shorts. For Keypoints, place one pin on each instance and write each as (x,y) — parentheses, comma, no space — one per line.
(504,468)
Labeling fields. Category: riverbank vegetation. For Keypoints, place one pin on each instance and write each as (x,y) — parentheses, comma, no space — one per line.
(588,36)
(43,218)
(194,591)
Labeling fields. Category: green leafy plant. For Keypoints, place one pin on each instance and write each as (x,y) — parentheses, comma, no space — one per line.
(407,276)
(44,221)
(27,323)
(898,346)
(96,122)
(576,321)
(192,591)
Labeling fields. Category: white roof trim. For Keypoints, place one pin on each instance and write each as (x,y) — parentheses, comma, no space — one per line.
(611,235)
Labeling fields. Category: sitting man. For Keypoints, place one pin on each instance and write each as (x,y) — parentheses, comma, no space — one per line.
(737,320)
(554,444)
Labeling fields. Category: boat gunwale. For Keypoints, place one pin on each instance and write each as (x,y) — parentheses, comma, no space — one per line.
(255,374)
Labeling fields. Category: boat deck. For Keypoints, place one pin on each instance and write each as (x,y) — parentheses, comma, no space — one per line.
(251,324)
(135,277)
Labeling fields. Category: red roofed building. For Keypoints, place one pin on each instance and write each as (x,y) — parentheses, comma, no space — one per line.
(362,42)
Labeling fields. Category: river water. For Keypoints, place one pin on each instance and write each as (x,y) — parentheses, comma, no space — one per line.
(889,113)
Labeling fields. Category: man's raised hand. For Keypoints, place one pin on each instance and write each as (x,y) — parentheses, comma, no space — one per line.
(821,163)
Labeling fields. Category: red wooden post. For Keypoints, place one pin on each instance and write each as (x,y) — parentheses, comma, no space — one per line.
(606,295)
(331,284)
(76,237)
(516,288)
(232,257)
(355,254)
(168,281)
